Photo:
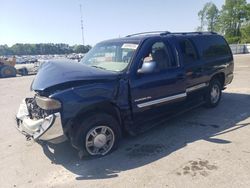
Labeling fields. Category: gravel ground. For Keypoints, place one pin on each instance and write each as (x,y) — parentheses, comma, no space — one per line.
(202,148)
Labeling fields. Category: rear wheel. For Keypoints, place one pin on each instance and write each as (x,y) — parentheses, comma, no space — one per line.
(7,71)
(213,94)
(98,135)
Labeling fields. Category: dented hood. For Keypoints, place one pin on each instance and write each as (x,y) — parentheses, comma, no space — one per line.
(57,72)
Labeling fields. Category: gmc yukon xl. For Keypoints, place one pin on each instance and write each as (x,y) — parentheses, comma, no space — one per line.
(125,85)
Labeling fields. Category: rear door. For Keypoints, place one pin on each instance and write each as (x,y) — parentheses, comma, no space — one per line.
(215,53)
(193,65)
(151,92)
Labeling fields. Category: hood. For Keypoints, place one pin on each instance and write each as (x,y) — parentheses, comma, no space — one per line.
(56,72)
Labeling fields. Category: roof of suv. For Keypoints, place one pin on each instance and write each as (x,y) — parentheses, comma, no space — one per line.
(145,35)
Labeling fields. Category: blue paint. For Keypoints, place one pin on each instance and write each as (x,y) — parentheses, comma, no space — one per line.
(83,89)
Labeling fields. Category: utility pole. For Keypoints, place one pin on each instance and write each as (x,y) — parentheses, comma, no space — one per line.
(82,24)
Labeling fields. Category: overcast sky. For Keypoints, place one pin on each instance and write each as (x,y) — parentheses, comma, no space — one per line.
(58,21)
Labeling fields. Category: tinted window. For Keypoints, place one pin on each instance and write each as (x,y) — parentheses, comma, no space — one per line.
(188,51)
(212,46)
(160,53)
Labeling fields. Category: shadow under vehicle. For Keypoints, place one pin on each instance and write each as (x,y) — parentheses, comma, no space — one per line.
(169,137)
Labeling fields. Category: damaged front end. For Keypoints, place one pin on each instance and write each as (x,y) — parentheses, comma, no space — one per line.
(39,118)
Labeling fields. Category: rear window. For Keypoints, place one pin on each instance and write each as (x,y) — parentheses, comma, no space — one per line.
(213,46)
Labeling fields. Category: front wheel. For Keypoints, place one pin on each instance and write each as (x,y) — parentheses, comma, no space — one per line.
(213,94)
(98,135)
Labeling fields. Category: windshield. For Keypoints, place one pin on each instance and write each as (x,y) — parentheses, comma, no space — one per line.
(110,56)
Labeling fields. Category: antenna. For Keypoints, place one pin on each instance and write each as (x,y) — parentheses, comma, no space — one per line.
(82,24)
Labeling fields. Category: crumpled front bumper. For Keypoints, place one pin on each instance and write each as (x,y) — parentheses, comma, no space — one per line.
(47,129)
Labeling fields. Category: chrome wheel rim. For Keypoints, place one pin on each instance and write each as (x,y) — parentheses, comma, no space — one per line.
(99,140)
(215,94)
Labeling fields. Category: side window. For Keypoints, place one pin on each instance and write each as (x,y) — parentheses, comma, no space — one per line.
(212,46)
(160,54)
(215,47)
(188,51)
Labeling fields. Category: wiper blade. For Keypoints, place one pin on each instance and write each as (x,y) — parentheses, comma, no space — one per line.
(99,67)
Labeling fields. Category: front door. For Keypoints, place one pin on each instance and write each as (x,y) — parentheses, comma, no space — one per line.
(152,91)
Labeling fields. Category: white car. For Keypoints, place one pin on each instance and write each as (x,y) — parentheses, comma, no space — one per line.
(28,68)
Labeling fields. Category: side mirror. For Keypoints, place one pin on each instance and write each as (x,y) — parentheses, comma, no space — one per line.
(147,67)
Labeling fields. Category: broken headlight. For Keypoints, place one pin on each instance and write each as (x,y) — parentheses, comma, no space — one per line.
(47,103)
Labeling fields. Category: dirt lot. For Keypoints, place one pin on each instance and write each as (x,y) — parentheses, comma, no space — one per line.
(203,148)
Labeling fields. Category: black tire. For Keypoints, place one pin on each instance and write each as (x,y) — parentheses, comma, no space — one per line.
(23,72)
(211,99)
(7,71)
(92,122)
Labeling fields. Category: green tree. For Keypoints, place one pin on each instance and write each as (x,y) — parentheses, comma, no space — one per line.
(208,17)
(232,16)
(245,34)
(201,15)
(5,50)
(42,49)
(81,48)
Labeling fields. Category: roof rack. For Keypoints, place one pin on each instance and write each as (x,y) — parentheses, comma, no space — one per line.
(162,33)
(150,32)
(191,33)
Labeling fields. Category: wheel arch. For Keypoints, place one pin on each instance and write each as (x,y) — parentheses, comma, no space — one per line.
(221,77)
(102,107)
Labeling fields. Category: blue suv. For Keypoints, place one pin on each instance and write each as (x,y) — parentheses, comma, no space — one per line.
(125,85)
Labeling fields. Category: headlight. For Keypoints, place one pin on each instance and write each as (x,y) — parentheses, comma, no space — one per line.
(47,103)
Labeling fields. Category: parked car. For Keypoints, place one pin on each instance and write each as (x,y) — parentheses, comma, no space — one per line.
(28,67)
(125,85)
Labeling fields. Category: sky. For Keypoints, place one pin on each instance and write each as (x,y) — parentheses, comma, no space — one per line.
(58,21)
